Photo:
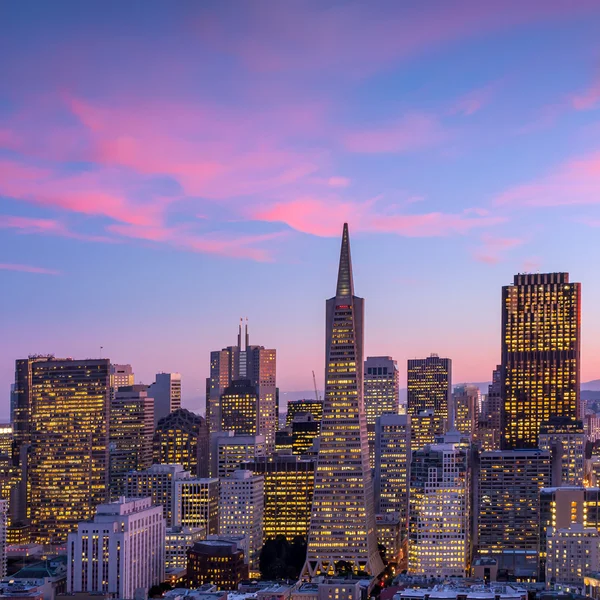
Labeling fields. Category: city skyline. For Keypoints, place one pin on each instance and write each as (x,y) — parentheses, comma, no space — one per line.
(145,211)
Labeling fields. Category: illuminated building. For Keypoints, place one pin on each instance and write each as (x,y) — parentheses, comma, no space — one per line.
(303,406)
(509,507)
(130,435)
(217,562)
(229,451)
(572,553)
(120,376)
(6,439)
(422,428)
(255,363)
(239,408)
(440,511)
(3,536)
(540,354)
(466,409)
(304,431)
(61,413)
(241,510)
(565,440)
(197,504)
(381,393)
(592,427)
(389,536)
(284,441)
(392,466)
(490,417)
(182,438)
(429,387)
(342,526)
(166,391)
(120,551)
(288,492)
(178,540)
(157,483)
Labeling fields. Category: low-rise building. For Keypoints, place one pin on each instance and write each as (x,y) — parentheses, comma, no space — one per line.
(218,562)
(178,540)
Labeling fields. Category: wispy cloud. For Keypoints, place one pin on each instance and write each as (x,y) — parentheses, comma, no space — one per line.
(493,249)
(27,269)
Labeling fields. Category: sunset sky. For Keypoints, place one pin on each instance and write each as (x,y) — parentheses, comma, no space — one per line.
(169,167)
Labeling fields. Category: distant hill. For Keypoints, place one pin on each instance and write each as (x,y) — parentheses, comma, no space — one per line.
(593,386)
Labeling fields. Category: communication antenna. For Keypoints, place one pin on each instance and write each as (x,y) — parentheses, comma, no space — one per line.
(316,391)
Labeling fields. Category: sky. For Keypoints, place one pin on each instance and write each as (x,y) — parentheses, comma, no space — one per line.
(167,168)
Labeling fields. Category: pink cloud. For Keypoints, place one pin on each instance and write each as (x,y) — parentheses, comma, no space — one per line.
(493,249)
(575,182)
(338,182)
(322,217)
(475,100)
(588,99)
(27,269)
(414,131)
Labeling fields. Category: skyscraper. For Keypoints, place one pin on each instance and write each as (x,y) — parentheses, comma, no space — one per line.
(429,387)
(62,414)
(541,335)
(564,439)
(166,391)
(120,376)
(490,417)
(240,408)
(255,363)
(466,409)
(382,393)
(342,524)
(303,406)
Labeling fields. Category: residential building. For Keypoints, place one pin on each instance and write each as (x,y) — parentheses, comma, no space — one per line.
(178,540)
(342,525)
(120,551)
(166,391)
(217,562)
(541,355)
(564,438)
(182,438)
(130,434)
(197,503)
(228,451)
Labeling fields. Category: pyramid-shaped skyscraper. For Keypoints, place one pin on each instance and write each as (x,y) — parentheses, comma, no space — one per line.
(342,526)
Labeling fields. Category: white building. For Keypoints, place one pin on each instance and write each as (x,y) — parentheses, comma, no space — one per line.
(166,391)
(197,503)
(228,451)
(177,542)
(120,551)
(241,510)
(3,526)
(572,554)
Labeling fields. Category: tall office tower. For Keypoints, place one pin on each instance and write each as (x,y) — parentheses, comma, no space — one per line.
(429,387)
(422,428)
(509,510)
(303,406)
(6,439)
(284,441)
(239,408)
(166,391)
(304,431)
(342,526)
(439,521)
(3,538)
(130,435)
(197,504)
(157,483)
(381,394)
(288,488)
(541,333)
(392,467)
(565,440)
(228,451)
(120,551)
(182,438)
(241,510)
(256,363)
(466,409)
(490,417)
(62,414)
(120,376)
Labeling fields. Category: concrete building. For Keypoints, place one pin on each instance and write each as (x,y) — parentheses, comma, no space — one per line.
(182,438)
(466,399)
(43,580)
(166,391)
(217,562)
(178,540)
(228,451)
(305,429)
(302,407)
(197,503)
(3,530)
(389,531)
(440,511)
(130,435)
(120,551)
(342,526)
(564,439)
(490,417)
(120,376)
(240,408)
(422,429)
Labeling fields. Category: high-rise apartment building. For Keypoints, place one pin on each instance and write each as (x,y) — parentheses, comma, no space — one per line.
(241,510)
(564,439)
(61,416)
(541,337)
(303,406)
(509,508)
(182,438)
(240,407)
(440,511)
(392,467)
(255,363)
(229,451)
(197,504)
(342,526)
(166,391)
(466,400)
(381,393)
(429,387)
(120,551)
(130,434)
(288,492)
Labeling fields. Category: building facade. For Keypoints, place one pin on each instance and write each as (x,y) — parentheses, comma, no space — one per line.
(564,439)
(166,391)
(240,408)
(197,504)
(217,562)
(303,406)
(229,451)
(178,540)
(466,399)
